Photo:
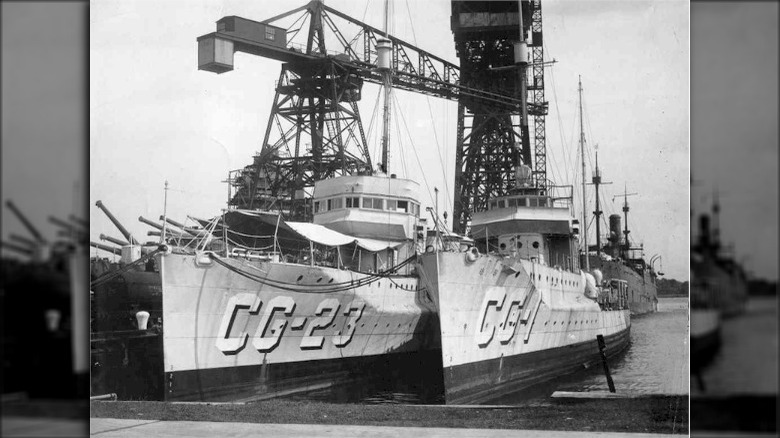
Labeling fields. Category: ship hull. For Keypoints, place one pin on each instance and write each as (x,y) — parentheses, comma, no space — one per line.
(508,324)
(642,290)
(240,330)
(489,379)
(271,380)
(705,336)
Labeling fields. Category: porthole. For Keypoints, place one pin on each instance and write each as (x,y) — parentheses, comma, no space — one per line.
(502,246)
(535,245)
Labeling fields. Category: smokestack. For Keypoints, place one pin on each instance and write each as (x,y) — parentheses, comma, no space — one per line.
(614,229)
(704,231)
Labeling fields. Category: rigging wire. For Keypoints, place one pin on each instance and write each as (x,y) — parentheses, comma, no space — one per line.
(317,287)
(448,200)
(422,169)
(555,170)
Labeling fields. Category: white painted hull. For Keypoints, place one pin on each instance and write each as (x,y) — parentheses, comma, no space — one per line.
(229,337)
(510,323)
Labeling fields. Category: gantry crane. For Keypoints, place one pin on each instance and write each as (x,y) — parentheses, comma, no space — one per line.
(315,130)
(494,140)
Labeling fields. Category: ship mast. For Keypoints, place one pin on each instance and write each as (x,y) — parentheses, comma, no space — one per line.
(387,86)
(596,182)
(521,61)
(584,206)
(626,244)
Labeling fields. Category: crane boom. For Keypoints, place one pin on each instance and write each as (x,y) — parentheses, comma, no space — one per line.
(413,68)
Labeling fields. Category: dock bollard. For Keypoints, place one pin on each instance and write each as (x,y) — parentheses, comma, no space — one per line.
(143,318)
(53,319)
(602,346)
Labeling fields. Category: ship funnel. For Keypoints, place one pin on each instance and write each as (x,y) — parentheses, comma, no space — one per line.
(704,230)
(523,177)
(143,319)
(614,229)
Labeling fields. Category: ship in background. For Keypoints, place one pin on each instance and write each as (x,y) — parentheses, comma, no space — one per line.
(618,260)
(718,289)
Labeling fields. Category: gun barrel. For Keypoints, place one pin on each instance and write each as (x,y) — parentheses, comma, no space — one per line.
(23,240)
(117,224)
(27,224)
(192,232)
(113,240)
(78,221)
(150,223)
(110,249)
(17,248)
(61,223)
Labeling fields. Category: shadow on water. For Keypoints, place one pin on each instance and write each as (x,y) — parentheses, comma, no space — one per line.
(406,379)
(655,362)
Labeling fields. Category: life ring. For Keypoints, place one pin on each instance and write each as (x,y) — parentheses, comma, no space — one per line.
(473,254)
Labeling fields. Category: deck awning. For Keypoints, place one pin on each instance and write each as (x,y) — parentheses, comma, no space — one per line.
(326,236)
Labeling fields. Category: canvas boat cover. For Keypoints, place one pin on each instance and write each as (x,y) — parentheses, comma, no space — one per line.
(250,228)
(326,236)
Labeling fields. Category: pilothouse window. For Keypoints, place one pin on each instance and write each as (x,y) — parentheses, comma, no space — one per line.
(374,203)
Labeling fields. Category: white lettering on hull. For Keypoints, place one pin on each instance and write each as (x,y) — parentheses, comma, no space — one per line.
(264,343)
(509,315)
(269,330)
(237,302)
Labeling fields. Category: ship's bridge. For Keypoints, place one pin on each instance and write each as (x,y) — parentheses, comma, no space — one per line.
(530,224)
(374,207)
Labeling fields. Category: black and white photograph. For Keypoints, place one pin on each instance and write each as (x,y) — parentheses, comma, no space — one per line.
(389,218)
(734,210)
(340,211)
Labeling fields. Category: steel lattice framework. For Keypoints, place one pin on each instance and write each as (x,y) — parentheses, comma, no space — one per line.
(315,130)
(491,139)
(537,90)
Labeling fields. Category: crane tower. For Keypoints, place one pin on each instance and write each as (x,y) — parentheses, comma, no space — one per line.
(492,139)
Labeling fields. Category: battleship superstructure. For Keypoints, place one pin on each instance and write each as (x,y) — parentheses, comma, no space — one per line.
(718,290)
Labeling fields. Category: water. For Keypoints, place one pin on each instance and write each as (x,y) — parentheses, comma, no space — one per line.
(656,362)
(747,360)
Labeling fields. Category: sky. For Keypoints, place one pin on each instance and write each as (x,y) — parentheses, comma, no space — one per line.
(154,117)
(44,131)
(734,126)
